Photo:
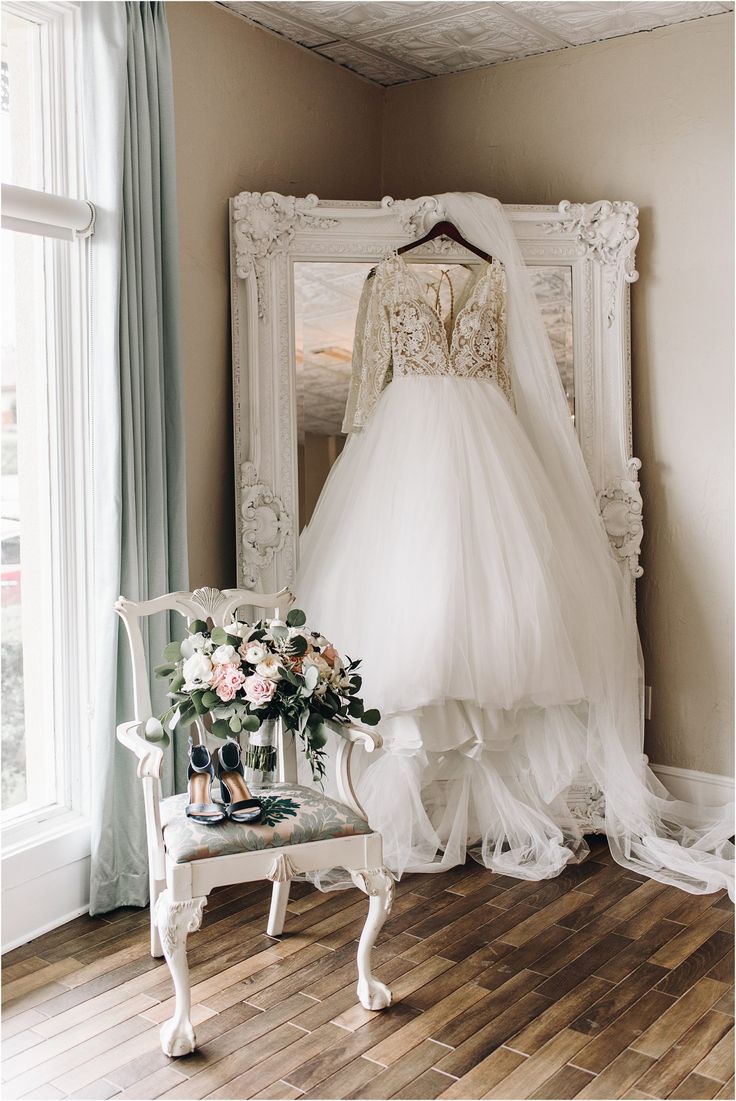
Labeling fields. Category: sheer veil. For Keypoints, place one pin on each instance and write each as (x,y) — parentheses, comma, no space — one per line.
(648,831)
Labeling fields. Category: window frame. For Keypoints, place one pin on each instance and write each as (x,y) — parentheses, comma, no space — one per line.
(69,455)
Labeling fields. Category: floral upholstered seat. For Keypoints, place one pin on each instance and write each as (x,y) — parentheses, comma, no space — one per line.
(291,816)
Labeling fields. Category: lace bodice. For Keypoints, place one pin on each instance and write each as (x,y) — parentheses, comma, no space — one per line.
(399,333)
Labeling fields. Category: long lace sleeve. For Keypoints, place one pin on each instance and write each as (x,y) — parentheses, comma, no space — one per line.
(371,355)
(505,371)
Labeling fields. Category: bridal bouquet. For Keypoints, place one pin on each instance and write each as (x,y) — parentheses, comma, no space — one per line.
(245,674)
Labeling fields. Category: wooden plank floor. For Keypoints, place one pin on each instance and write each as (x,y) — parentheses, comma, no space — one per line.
(598,984)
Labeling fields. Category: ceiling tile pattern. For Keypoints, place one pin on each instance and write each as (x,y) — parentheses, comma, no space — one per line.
(391,41)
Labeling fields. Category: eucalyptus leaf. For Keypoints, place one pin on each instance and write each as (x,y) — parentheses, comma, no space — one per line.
(235,724)
(162,671)
(318,736)
(172,652)
(196,626)
(372,717)
(296,618)
(210,700)
(311,677)
(221,728)
(154,731)
(176,683)
(219,636)
(199,705)
(251,723)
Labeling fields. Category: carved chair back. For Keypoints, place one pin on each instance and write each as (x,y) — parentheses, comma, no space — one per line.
(217,608)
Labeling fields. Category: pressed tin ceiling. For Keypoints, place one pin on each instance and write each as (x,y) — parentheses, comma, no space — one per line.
(401,40)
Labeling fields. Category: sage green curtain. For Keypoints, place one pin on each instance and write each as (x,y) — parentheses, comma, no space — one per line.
(139,506)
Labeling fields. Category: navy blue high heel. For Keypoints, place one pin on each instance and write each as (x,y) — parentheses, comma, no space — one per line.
(201,776)
(240,806)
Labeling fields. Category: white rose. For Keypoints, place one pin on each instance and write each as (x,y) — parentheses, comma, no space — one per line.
(192,643)
(269,668)
(323,667)
(255,653)
(225,655)
(197,671)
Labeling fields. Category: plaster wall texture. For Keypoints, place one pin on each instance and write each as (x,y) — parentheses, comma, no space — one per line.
(253,113)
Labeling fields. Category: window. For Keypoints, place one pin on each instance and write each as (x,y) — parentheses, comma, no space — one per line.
(44,481)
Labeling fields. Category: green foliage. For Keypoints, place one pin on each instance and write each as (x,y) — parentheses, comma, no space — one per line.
(220,637)
(221,728)
(296,618)
(172,652)
(200,706)
(197,626)
(297,646)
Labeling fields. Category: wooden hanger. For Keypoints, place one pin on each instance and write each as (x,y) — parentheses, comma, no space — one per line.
(441,229)
(445,229)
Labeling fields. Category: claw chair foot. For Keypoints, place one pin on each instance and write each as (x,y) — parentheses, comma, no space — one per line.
(378,884)
(175,920)
(177,1038)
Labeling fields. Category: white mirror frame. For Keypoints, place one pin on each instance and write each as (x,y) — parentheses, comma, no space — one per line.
(269,233)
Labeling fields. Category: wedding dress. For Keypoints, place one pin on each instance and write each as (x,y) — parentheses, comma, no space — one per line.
(457,548)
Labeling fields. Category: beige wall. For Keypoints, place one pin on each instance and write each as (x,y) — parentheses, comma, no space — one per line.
(252,113)
(646,117)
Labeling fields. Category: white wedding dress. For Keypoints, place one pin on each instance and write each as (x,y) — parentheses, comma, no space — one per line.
(492,629)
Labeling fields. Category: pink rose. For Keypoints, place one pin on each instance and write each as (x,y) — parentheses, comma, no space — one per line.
(258,690)
(330,654)
(227,679)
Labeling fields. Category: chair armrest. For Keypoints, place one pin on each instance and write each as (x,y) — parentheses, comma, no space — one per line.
(352,735)
(150,756)
(359,735)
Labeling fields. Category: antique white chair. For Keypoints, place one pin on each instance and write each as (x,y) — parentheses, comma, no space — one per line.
(180,880)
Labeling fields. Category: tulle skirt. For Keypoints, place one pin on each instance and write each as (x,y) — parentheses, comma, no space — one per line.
(437,556)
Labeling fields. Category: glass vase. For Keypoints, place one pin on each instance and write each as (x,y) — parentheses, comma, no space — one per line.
(259,756)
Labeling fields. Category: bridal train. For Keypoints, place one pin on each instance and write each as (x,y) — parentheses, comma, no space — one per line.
(458,549)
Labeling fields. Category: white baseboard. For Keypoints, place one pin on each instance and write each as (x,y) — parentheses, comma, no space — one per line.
(54,924)
(45,883)
(705,788)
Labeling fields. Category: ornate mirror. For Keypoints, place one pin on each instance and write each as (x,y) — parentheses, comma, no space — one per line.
(297,268)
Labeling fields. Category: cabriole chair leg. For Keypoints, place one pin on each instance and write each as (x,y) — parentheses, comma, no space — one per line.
(378,884)
(175,920)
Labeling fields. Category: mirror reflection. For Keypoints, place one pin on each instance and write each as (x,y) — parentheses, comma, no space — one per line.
(326,298)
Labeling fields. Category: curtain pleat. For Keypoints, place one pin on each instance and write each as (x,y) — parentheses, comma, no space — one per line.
(139,506)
